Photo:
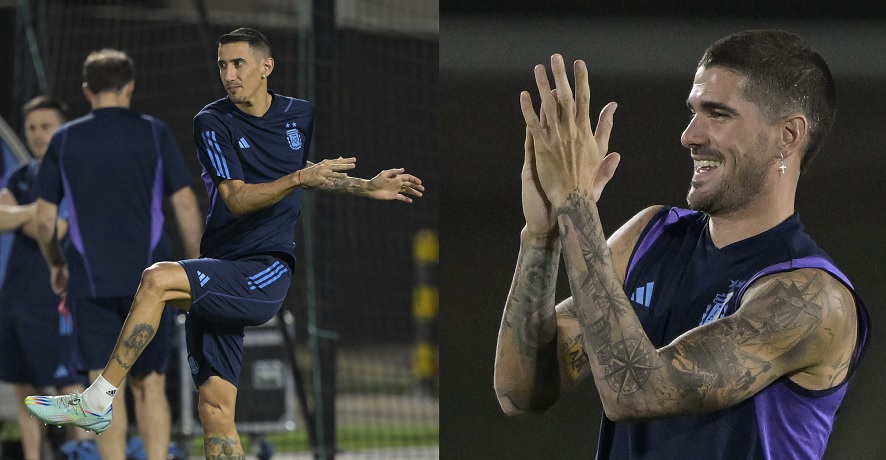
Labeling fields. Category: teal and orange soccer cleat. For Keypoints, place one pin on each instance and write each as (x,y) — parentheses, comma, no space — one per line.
(67,410)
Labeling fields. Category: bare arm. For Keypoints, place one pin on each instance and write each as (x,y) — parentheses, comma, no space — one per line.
(12,216)
(390,184)
(540,352)
(526,376)
(187,215)
(799,324)
(242,198)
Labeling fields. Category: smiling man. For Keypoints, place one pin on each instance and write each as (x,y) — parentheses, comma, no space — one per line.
(718,332)
(253,147)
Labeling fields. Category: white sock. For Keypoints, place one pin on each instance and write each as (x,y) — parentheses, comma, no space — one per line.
(99,395)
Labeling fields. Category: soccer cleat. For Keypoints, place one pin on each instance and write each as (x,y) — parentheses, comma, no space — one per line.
(67,410)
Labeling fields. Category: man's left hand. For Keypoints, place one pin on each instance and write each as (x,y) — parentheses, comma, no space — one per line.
(394,184)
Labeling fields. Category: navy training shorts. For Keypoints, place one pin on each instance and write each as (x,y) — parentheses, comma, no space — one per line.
(36,343)
(98,323)
(228,295)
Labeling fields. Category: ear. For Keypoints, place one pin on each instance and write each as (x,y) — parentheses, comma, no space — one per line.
(129,88)
(268,67)
(794,131)
(87,93)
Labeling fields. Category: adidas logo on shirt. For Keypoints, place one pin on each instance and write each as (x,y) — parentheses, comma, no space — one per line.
(203,278)
(243,144)
(111,393)
(643,294)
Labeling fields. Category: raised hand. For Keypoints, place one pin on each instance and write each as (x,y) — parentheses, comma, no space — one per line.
(393,184)
(567,155)
(540,219)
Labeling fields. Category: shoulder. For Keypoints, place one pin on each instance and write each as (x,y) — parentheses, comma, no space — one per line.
(287,106)
(810,311)
(213,111)
(622,241)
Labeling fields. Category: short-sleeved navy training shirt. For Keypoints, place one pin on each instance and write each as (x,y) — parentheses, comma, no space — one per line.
(114,167)
(232,144)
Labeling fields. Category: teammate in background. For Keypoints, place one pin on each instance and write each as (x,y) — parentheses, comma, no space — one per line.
(718,332)
(253,146)
(35,327)
(114,167)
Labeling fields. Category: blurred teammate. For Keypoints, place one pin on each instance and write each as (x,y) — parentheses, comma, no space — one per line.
(35,328)
(114,168)
(253,146)
(717,332)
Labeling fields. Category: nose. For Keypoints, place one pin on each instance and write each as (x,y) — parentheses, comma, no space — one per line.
(693,135)
(229,73)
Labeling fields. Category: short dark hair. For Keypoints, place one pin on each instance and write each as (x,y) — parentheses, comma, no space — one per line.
(107,70)
(783,75)
(254,38)
(46,102)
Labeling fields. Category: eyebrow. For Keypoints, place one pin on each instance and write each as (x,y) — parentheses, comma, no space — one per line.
(711,106)
(231,60)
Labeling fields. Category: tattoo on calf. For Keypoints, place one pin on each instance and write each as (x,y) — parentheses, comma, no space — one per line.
(134,344)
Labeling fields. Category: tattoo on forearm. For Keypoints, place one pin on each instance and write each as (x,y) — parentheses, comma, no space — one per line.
(530,310)
(626,363)
(134,344)
(697,371)
(218,448)
(576,357)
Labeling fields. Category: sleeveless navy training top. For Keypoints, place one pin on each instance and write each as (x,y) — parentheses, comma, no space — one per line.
(677,280)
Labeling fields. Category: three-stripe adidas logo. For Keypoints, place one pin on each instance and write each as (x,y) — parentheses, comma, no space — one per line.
(643,294)
(111,393)
(203,278)
(243,144)
(266,276)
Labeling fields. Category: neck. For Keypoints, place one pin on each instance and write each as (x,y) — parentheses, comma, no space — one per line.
(258,106)
(772,207)
(108,99)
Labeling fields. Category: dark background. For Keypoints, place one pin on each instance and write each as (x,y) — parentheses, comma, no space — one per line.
(645,62)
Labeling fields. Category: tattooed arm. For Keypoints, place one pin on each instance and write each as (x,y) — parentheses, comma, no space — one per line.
(390,184)
(799,324)
(242,198)
(526,375)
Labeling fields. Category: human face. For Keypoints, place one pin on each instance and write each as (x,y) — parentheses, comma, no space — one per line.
(731,144)
(40,125)
(241,73)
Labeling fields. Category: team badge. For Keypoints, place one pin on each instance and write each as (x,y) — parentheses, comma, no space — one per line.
(720,306)
(294,137)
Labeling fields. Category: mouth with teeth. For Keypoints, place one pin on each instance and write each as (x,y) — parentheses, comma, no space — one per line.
(702,166)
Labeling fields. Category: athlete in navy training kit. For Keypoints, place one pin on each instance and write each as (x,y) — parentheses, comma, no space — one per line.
(36,327)
(252,146)
(115,168)
(719,332)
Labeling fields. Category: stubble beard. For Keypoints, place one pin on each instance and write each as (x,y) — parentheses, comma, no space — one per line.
(732,192)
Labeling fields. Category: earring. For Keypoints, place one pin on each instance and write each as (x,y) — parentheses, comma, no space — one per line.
(783,167)
(262,77)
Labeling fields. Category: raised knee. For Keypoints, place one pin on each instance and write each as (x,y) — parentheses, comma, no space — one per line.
(155,277)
